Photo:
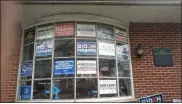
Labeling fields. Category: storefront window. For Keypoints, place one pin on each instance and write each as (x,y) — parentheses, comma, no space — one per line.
(68,61)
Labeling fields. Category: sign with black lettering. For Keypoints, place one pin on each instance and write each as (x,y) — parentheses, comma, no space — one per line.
(86,30)
(44,32)
(163,57)
(86,67)
(152,99)
(108,87)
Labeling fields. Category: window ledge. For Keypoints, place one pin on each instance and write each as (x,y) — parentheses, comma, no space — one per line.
(114,99)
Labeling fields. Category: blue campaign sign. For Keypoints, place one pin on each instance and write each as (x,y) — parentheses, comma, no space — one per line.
(152,99)
(26,69)
(25,92)
(86,48)
(64,67)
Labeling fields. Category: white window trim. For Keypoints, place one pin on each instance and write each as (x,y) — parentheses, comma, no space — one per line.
(107,99)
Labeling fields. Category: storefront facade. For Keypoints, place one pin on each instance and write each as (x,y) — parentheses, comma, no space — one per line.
(90,57)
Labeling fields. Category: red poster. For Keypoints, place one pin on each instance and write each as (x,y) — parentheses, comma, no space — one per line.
(65,29)
(122,38)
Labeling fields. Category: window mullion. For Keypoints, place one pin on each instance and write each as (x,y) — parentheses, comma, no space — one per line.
(98,82)
(75,62)
(32,87)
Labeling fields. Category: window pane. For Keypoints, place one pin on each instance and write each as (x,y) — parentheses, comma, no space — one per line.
(125,87)
(86,88)
(29,36)
(28,51)
(108,87)
(43,69)
(105,31)
(86,48)
(44,32)
(64,68)
(86,67)
(25,90)
(42,89)
(44,48)
(123,60)
(64,48)
(107,67)
(63,89)
(26,71)
(64,30)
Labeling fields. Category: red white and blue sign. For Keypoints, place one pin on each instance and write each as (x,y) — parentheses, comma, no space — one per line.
(86,48)
(26,69)
(64,67)
(152,99)
(25,92)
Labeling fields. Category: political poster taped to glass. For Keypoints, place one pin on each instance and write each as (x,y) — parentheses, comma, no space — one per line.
(26,69)
(108,87)
(106,33)
(44,49)
(86,30)
(65,29)
(122,52)
(25,92)
(44,32)
(64,67)
(107,49)
(86,48)
(86,67)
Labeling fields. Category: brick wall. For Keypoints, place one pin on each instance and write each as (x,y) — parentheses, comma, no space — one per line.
(149,79)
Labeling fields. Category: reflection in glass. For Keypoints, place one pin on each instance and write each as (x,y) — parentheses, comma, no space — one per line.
(86,88)
(41,89)
(124,87)
(106,32)
(28,51)
(63,89)
(29,36)
(43,69)
(123,69)
(107,67)
(64,48)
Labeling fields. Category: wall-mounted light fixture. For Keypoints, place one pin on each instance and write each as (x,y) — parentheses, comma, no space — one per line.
(139,50)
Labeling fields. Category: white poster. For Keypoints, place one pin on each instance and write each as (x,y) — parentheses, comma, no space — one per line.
(120,32)
(122,52)
(107,49)
(108,87)
(44,32)
(86,67)
(87,30)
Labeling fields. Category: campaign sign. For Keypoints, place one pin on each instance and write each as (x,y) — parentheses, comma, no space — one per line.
(64,67)
(86,67)
(152,99)
(25,92)
(108,87)
(86,48)
(107,49)
(122,38)
(26,69)
(44,49)
(121,33)
(44,32)
(65,29)
(86,30)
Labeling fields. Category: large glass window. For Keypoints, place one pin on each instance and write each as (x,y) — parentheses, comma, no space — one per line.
(75,60)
